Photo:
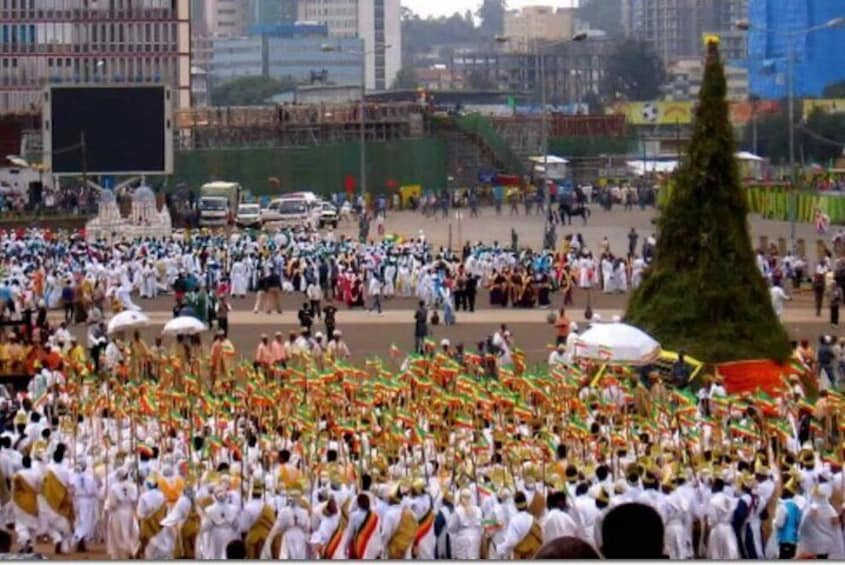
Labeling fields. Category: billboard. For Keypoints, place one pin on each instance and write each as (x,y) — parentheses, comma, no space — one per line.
(661,113)
(108,130)
(829,105)
(654,113)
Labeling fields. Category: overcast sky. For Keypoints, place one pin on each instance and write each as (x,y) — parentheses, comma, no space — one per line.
(448,7)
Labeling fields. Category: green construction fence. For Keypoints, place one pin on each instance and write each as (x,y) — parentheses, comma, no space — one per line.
(321,168)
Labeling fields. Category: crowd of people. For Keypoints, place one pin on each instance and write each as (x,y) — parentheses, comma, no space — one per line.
(203,272)
(427,457)
(184,450)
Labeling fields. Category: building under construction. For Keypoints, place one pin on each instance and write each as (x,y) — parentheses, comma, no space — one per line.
(296,125)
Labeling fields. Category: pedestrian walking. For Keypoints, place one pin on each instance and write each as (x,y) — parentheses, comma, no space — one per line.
(835,303)
(420,327)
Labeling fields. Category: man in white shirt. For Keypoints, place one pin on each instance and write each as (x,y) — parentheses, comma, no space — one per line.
(558,356)
(778,297)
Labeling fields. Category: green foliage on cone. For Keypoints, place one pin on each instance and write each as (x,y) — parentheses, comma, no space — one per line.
(704,293)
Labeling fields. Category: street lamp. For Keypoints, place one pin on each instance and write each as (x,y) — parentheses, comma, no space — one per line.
(791,35)
(328,48)
(541,84)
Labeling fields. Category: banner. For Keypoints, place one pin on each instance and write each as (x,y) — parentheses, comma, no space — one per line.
(681,113)
(774,203)
(654,113)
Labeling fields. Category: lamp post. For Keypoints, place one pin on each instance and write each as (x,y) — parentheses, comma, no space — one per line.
(791,36)
(328,48)
(539,65)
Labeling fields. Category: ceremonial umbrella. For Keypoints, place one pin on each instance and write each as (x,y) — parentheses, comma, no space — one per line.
(184,325)
(127,320)
(617,343)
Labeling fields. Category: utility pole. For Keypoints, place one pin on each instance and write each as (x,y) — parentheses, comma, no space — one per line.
(84,155)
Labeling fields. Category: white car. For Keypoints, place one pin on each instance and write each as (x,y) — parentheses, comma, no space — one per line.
(249,215)
(328,215)
(292,211)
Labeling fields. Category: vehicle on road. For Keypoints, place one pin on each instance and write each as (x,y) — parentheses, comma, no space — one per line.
(219,202)
(293,210)
(249,216)
(328,215)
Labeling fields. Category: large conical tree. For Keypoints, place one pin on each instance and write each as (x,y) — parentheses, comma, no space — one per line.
(704,293)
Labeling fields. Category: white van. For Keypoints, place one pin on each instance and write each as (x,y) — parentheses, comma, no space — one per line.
(293,210)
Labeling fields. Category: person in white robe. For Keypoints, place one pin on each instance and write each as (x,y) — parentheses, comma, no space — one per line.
(219,526)
(721,543)
(321,538)
(55,525)
(239,279)
(465,528)
(159,546)
(27,524)
(86,505)
(819,525)
(608,280)
(122,530)
(677,537)
(518,527)
(586,275)
(291,523)
(557,522)
(174,520)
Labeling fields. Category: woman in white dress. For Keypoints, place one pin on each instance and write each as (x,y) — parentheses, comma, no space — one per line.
(465,528)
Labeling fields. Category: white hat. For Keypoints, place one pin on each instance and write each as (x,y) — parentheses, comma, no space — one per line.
(444,342)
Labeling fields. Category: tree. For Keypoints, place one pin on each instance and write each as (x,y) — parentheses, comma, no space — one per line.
(405,79)
(427,35)
(772,136)
(492,16)
(602,14)
(819,140)
(704,293)
(248,91)
(834,90)
(634,71)
(823,137)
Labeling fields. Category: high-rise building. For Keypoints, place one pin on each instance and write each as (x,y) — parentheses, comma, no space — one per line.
(227,18)
(816,56)
(376,22)
(92,41)
(272,12)
(675,28)
(289,56)
(537,23)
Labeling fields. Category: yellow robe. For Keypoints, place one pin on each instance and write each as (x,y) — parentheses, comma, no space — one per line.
(58,496)
(150,527)
(257,534)
(24,495)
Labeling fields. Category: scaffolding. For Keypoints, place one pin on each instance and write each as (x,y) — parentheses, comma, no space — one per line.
(293,125)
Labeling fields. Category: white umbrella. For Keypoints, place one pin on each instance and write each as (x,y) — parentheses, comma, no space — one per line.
(184,325)
(617,343)
(127,320)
